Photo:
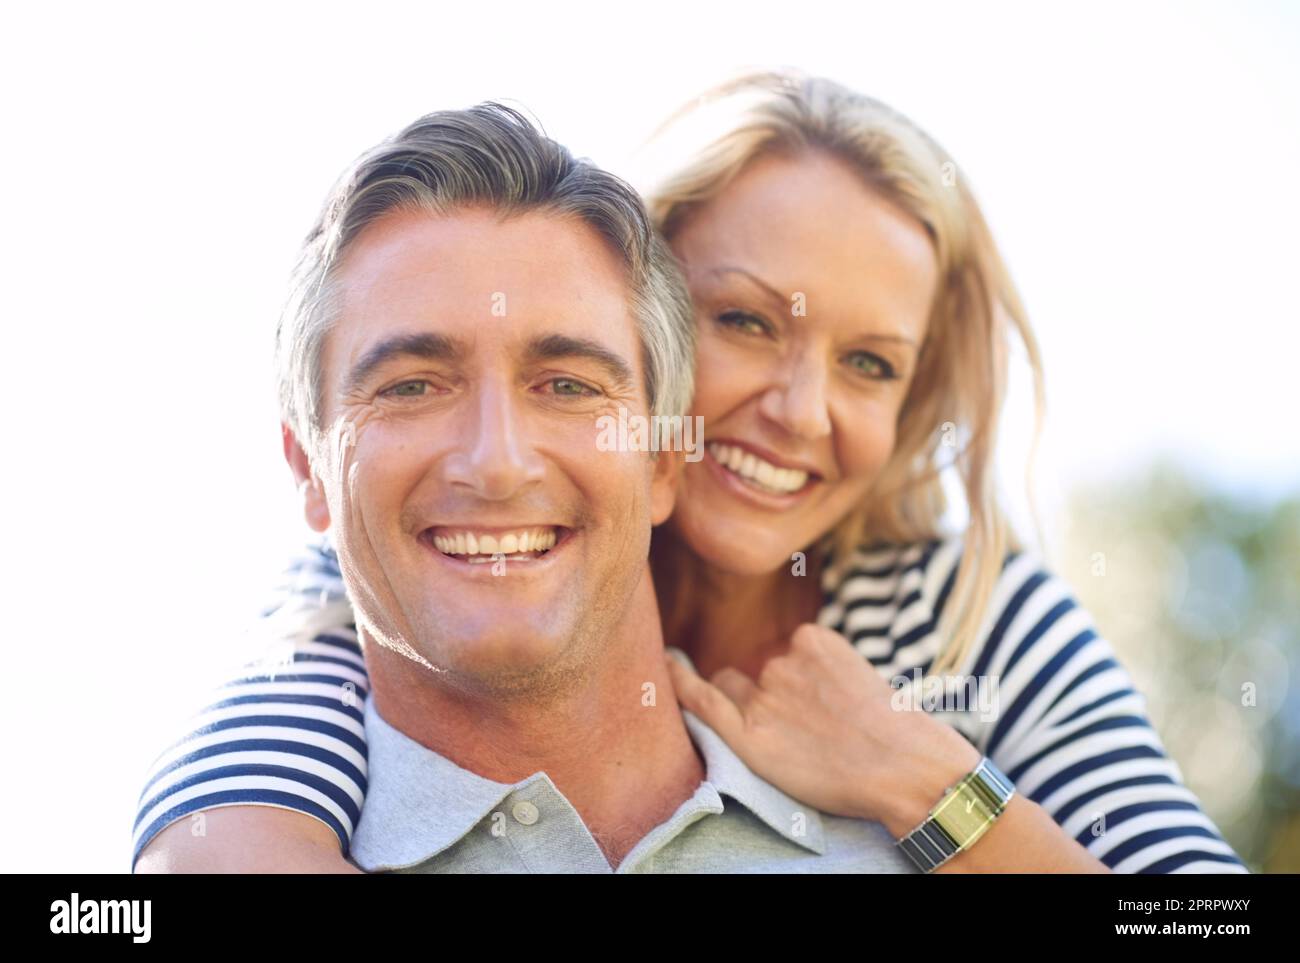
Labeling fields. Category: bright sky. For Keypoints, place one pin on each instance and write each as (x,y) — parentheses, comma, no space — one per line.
(1138,163)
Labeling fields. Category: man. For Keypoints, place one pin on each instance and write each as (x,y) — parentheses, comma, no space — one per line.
(472,301)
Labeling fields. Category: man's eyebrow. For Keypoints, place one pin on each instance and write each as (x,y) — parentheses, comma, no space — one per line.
(553,346)
(430,346)
(777,296)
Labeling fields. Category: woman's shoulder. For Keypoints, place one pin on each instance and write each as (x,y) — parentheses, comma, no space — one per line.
(888,598)
(312,571)
(874,560)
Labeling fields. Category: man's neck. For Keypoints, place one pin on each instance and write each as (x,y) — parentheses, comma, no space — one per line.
(614,743)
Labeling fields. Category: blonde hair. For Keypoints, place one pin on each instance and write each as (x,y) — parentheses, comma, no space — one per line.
(961,373)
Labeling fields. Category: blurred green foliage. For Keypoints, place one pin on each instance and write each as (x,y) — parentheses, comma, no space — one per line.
(1198,591)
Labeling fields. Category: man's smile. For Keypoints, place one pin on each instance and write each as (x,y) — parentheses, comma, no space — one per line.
(532,548)
(523,542)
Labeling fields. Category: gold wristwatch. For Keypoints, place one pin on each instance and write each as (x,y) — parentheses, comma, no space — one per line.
(961,817)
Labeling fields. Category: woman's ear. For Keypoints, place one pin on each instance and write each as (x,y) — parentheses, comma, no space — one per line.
(315,507)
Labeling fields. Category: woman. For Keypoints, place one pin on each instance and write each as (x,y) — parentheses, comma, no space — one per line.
(853,315)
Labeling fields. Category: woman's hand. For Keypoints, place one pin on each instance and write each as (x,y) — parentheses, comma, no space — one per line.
(821,725)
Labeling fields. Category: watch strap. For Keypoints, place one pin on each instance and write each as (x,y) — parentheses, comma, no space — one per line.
(960,818)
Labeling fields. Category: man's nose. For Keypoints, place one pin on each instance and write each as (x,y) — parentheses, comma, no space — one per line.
(497,458)
(798,398)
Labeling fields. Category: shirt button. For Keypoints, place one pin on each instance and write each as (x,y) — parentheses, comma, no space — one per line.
(525,812)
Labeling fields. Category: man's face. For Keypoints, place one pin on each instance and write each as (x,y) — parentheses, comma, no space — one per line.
(479,527)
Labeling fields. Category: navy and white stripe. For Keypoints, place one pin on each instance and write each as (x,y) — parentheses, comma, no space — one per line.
(1071,730)
(288,731)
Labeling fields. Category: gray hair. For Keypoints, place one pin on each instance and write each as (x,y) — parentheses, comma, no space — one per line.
(488,154)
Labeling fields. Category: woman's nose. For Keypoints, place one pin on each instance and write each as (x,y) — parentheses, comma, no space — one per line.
(797,400)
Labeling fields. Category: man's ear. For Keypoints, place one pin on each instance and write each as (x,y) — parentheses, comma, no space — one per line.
(667,467)
(315,507)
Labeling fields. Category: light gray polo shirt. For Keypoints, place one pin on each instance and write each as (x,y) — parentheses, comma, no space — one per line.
(425,814)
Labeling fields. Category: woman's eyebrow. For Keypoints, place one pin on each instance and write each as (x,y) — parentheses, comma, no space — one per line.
(777,296)
(753,278)
(887,337)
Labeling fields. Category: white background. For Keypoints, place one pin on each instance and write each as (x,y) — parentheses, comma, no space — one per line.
(1138,162)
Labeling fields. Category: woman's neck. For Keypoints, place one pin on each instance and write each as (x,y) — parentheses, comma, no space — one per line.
(722,618)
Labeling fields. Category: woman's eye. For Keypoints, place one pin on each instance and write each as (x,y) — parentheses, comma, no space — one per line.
(569,388)
(743,321)
(871,365)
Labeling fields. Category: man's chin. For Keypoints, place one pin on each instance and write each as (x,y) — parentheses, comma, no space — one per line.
(507,652)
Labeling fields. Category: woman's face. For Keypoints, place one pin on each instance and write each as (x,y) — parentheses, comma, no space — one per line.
(812,295)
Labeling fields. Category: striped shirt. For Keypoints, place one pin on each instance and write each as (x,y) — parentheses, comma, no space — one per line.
(1069,727)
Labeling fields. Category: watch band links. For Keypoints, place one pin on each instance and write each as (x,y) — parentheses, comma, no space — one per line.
(960,818)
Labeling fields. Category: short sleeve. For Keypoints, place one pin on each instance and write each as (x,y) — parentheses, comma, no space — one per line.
(1071,731)
(287,729)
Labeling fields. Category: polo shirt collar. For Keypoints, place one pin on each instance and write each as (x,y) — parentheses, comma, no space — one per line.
(408,782)
(797,822)
(417,803)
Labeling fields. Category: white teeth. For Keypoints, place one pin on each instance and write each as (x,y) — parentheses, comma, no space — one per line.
(525,541)
(757,471)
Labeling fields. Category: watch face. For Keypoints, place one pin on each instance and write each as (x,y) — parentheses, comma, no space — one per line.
(968,809)
(964,816)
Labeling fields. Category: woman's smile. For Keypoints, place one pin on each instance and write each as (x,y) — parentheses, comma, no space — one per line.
(761,481)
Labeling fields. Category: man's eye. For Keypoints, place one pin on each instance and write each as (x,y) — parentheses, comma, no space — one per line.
(871,365)
(743,321)
(569,388)
(407,389)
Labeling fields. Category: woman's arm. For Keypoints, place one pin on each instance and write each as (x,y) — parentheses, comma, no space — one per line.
(246,839)
(271,776)
(1095,790)
(820,724)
